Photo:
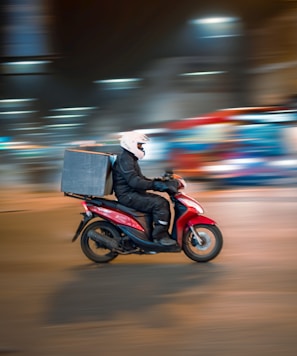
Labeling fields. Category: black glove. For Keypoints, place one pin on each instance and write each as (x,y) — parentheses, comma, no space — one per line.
(172,186)
(160,186)
(169,186)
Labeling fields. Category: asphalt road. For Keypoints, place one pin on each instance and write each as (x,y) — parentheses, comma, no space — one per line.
(55,302)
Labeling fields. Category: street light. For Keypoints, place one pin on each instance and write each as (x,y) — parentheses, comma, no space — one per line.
(218,27)
(214,20)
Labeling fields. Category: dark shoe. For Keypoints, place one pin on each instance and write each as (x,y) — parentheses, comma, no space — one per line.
(166,241)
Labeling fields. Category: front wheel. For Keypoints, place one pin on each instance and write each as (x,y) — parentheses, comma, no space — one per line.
(93,249)
(210,245)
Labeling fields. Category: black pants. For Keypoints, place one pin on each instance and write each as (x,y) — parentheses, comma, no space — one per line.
(153,204)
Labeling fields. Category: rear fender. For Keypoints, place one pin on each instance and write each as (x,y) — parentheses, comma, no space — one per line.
(84,221)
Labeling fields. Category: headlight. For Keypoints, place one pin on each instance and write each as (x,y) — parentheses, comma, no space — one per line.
(192,204)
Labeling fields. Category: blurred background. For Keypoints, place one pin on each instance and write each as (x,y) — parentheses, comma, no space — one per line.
(214,85)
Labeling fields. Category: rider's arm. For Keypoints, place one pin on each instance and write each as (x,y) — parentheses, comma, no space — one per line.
(133,176)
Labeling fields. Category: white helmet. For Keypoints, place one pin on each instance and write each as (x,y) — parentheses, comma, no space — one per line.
(132,141)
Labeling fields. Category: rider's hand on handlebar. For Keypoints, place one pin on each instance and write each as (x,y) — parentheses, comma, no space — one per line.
(159,186)
(171,186)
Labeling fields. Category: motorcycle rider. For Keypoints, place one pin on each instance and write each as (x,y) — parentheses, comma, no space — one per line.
(130,186)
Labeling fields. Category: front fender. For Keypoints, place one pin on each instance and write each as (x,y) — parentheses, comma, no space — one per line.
(200,219)
(197,220)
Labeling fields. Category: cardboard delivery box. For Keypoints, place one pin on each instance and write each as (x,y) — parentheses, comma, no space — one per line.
(87,172)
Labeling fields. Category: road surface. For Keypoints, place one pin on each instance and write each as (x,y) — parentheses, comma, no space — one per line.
(55,302)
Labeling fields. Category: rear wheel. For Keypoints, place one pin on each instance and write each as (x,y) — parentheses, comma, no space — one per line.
(210,245)
(93,249)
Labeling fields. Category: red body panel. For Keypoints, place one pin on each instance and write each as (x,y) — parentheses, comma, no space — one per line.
(183,223)
(116,217)
(201,219)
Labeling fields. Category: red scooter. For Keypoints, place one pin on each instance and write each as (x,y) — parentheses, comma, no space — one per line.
(109,229)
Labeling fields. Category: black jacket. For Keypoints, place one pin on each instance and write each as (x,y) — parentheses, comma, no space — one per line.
(127,176)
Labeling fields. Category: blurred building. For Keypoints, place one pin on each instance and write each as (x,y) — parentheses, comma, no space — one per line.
(209,66)
(273,59)
(258,67)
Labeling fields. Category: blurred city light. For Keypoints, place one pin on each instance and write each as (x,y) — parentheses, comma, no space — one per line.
(66,116)
(25,67)
(218,27)
(85,108)
(63,125)
(49,102)
(194,74)
(214,20)
(119,84)
(16,101)
(17,112)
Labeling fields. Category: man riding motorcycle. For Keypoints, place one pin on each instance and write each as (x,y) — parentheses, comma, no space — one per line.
(130,186)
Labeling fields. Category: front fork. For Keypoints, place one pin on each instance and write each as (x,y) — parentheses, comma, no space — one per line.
(197,239)
(199,220)
(86,218)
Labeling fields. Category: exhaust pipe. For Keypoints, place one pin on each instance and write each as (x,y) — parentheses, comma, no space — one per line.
(103,240)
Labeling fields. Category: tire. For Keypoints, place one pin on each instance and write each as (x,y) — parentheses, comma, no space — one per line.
(92,249)
(212,243)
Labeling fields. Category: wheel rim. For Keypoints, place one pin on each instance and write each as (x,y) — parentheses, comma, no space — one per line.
(95,247)
(206,241)
(94,250)
(207,245)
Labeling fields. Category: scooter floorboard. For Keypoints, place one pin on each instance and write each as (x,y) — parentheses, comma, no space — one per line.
(161,248)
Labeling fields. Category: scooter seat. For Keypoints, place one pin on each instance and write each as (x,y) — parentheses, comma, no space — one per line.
(116,205)
(131,211)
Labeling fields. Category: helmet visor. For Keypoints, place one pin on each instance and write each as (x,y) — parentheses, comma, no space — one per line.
(140,146)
